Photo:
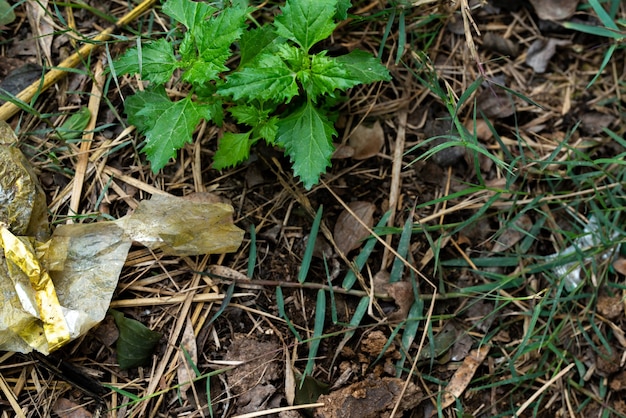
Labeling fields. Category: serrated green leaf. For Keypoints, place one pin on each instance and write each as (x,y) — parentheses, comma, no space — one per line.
(250,115)
(363,67)
(270,80)
(203,71)
(342,9)
(254,42)
(326,76)
(135,343)
(268,130)
(155,62)
(233,149)
(217,34)
(307,136)
(189,13)
(263,126)
(306,22)
(295,58)
(156,98)
(170,128)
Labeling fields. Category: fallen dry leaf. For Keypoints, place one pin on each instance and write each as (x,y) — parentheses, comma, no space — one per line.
(42,26)
(610,306)
(594,122)
(497,43)
(403,296)
(554,9)
(513,234)
(349,232)
(367,141)
(371,398)
(620,266)
(495,103)
(463,376)
(65,408)
(541,51)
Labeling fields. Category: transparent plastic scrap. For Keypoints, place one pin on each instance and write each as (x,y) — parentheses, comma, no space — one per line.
(55,288)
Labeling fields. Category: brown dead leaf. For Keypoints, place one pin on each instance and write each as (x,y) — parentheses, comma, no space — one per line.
(374,343)
(620,266)
(349,232)
(618,382)
(42,26)
(371,398)
(610,306)
(463,376)
(554,9)
(259,362)
(403,296)
(513,234)
(495,103)
(342,152)
(65,408)
(594,122)
(184,371)
(480,128)
(367,141)
(541,51)
(497,43)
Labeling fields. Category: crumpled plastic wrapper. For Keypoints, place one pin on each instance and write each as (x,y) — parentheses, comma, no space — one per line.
(53,289)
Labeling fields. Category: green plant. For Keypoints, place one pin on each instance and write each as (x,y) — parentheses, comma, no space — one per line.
(281,90)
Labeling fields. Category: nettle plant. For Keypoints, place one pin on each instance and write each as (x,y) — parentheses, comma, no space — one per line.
(280,89)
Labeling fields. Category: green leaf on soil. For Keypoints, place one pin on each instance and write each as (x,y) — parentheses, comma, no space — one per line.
(306,22)
(233,149)
(307,136)
(74,126)
(154,61)
(136,342)
(167,125)
(363,67)
(270,80)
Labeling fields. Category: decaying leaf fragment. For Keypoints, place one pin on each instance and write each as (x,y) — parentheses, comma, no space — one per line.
(554,9)
(349,232)
(463,376)
(541,51)
(367,141)
(373,397)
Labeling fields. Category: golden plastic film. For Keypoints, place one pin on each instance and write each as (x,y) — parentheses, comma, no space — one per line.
(53,289)
(20,259)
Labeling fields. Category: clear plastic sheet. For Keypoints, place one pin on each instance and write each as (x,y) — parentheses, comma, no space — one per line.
(54,290)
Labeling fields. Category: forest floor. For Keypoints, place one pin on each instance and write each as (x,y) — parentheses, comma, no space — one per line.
(488,177)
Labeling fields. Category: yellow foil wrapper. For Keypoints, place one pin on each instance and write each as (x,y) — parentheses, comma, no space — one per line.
(21,260)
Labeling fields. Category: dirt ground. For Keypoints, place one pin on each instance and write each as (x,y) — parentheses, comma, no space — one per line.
(465,314)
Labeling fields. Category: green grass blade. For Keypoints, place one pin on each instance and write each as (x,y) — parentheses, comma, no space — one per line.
(603,15)
(403,248)
(318,330)
(253,251)
(310,246)
(280,302)
(401,36)
(364,255)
